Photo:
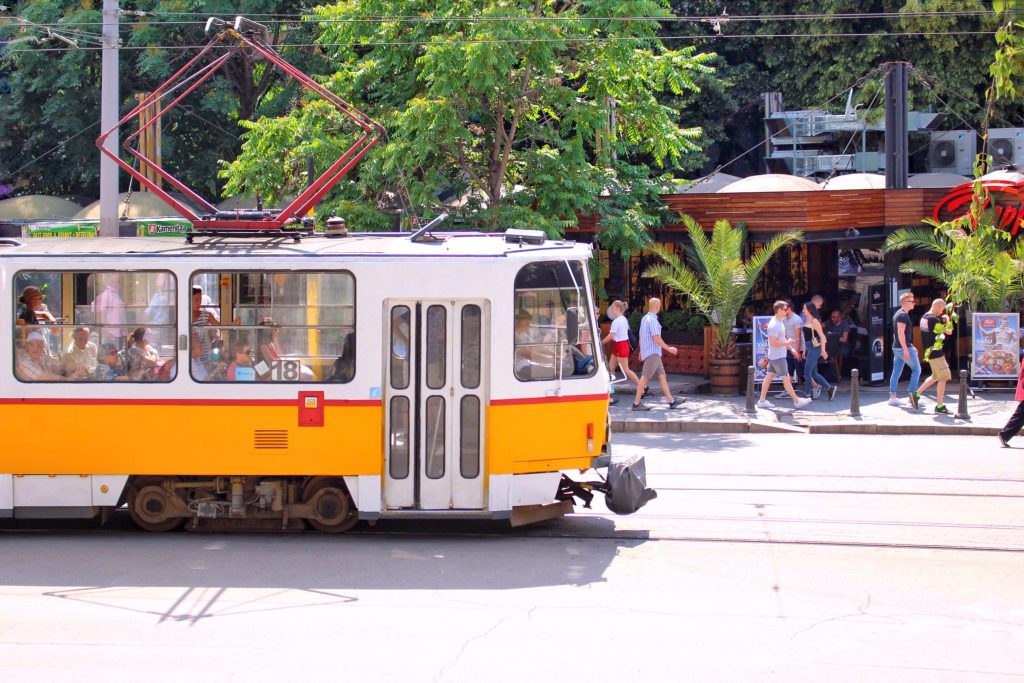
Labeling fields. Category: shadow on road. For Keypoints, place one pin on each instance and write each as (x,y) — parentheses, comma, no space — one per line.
(448,555)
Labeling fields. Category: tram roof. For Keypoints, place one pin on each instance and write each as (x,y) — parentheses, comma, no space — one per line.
(355,245)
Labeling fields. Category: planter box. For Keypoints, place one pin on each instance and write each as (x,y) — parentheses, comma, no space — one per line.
(689,360)
(677,338)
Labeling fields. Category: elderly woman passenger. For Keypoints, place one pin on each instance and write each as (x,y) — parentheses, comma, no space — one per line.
(34,364)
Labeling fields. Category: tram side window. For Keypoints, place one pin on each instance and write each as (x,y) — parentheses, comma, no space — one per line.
(273,326)
(543,293)
(95,326)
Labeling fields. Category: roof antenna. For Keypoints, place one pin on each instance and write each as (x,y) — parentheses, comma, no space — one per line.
(423,234)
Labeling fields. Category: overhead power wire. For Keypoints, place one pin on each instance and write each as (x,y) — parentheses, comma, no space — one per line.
(282,18)
(527,41)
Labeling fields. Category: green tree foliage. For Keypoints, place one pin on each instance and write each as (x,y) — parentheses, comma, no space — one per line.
(524,121)
(714,277)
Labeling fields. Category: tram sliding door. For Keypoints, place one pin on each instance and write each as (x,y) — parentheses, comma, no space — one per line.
(435,393)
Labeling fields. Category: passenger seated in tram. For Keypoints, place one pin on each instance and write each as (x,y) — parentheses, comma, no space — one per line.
(140,356)
(31,309)
(109,366)
(268,350)
(345,366)
(79,358)
(211,370)
(240,369)
(34,363)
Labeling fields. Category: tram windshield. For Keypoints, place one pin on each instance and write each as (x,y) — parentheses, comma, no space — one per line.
(544,292)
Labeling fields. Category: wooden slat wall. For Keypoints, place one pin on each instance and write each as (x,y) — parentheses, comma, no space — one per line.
(809,211)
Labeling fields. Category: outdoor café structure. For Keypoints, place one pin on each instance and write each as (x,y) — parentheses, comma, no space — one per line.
(845,223)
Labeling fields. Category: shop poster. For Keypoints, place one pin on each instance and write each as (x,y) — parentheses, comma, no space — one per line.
(995,346)
(760,352)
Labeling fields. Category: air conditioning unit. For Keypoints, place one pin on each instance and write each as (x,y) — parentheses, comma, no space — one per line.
(953,151)
(1006,146)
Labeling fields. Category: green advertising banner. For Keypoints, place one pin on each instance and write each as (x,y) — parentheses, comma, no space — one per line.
(60,230)
(162,227)
(144,227)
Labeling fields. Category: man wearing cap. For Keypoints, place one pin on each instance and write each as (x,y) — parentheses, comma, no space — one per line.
(80,355)
(34,364)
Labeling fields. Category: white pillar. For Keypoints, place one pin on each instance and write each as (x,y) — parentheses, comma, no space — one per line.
(109,98)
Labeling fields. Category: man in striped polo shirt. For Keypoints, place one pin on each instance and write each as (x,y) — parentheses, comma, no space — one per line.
(651,346)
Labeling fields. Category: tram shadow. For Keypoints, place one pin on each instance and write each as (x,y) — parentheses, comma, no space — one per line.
(437,555)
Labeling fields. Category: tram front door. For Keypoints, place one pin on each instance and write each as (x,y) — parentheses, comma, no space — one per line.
(434,397)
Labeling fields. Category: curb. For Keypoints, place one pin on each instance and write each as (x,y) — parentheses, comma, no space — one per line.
(759,427)
(704,427)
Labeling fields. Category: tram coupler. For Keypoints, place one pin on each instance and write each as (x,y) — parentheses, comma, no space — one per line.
(625,488)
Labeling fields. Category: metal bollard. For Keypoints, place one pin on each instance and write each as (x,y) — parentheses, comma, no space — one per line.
(750,409)
(855,392)
(961,408)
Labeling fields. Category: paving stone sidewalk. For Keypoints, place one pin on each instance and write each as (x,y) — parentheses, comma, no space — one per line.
(988,411)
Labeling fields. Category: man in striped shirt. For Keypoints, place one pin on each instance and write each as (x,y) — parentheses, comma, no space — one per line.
(651,346)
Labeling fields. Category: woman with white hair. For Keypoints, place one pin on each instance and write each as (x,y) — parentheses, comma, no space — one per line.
(34,364)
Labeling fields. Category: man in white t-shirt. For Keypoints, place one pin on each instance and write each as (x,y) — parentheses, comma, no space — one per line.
(619,336)
(778,345)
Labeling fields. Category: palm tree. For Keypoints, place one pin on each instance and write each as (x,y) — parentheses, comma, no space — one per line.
(717,280)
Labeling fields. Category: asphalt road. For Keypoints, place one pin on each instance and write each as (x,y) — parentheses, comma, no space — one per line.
(765,557)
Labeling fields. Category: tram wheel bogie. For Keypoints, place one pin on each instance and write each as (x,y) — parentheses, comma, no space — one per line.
(330,505)
(154,505)
(241,503)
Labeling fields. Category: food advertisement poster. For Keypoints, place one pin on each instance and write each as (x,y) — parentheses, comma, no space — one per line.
(996,346)
(761,347)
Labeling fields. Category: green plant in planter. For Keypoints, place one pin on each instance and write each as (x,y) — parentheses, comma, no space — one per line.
(684,321)
(715,279)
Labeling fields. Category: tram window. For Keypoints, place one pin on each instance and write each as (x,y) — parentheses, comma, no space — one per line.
(399,347)
(95,326)
(469,442)
(544,291)
(435,449)
(437,346)
(398,458)
(277,327)
(471,346)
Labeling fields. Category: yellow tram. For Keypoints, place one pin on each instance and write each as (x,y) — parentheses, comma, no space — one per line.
(260,383)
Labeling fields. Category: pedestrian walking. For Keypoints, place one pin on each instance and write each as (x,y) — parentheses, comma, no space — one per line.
(778,345)
(651,346)
(935,327)
(618,335)
(814,342)
(903,352)
(1016,421)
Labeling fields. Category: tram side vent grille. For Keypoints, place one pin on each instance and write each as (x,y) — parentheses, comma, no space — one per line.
(264,439)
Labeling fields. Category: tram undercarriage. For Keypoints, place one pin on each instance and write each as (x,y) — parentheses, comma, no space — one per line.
(250,503)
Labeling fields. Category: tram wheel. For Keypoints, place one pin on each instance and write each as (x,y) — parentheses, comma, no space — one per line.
(331,503)
(148,505)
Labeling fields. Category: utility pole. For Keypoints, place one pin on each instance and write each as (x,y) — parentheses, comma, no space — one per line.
(108,118)
(896,141)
